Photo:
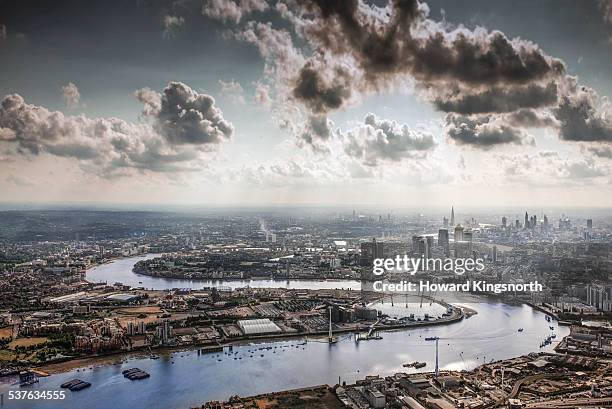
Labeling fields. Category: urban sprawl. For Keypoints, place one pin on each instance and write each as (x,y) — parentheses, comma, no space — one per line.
(54,315)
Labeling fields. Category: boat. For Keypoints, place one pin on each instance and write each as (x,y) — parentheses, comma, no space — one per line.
(75,385)
(79,386)
(419,364)
(520,330)
(431,338)
(70,383)
(551,328)
(134,374)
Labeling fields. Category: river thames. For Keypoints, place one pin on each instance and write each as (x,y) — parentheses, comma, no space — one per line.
(187,378)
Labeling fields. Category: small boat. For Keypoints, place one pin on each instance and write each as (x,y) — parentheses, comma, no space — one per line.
(520,330)
(79,386)
(419,364)
(431,338)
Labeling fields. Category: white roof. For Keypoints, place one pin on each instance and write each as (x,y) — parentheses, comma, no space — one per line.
(259,326)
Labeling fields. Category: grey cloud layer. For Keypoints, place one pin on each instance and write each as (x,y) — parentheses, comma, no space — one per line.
(184,125)
(183,116)
(383,140)
(353,49)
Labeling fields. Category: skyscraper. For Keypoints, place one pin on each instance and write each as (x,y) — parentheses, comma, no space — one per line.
(504,221)
(443,241)
(452,221)
(369,251)
(458,233)
(526,225)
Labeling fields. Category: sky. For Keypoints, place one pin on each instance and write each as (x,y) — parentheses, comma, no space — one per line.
(310,102)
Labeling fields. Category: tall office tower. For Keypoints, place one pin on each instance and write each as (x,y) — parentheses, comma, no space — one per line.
(526,225)
(424,248)
(445,222)
(369,251)
(353,214)
(415,243)
(430,244)
(452,216)
(545,222)
(517,224)
(458,233)
(468,236)
(589,225)
(443,241)
(534,221)
(495,254)
(504,221)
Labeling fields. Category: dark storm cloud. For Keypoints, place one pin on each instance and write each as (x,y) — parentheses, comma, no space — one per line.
(320,126)
(581,120)
(499,100)
(183,116)
(315,133)
(320,94)
(185,125)
(411,44)
(529,118)
(482,132)
(379,140)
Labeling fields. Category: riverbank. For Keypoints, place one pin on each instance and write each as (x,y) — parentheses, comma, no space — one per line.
(122,356)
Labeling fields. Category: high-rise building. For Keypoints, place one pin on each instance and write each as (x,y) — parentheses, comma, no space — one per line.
(589,225)
(458,233)
(369,251)
(443,241)
(526,225)
(445,222)
(504,221)
(468,236)
(423,247)
(452,220)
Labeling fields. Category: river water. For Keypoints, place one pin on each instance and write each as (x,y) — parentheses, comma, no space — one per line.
(184,379)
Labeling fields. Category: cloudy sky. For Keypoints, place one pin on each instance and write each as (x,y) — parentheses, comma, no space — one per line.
(255,102)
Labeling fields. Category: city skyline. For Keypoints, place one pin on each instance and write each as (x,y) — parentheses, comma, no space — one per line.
(255,103)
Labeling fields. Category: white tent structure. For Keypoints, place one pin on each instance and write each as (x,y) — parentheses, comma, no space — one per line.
(259,326)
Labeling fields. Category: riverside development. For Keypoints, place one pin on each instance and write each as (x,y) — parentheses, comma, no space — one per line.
(207,305)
